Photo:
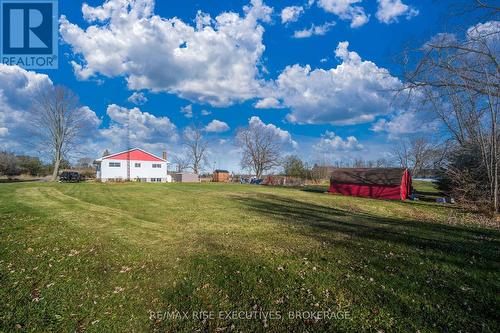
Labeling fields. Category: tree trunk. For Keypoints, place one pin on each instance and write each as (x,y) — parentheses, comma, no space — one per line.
(57,162)
(495,191)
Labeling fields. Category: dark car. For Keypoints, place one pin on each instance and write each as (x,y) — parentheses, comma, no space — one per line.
(70,177)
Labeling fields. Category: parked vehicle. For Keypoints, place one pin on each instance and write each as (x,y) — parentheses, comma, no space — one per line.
(253,181)
(70,177)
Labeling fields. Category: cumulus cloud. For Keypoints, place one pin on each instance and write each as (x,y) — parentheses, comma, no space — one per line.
(346,10)
(205,112)
(90,119)
(216,61)
(138,128)
(489,30)
(314,30)
(268,103)
(187,111)
(291,14)
(217,126)
(18,88)
(389,11)
(356,91)
(485,36)
(331,142)
(406,122)
(285,136)
(137,98)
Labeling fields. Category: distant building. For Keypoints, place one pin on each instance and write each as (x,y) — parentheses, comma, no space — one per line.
(186,177)
(135,165)
(221,176)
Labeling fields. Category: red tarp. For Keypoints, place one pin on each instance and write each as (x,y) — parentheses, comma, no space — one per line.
(389,192)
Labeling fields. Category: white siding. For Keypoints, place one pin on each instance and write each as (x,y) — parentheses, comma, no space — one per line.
(145,171)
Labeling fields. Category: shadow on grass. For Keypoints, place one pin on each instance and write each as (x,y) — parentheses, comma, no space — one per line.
(315,188)
(435,259)
(15,180)
(444,243)
(362,224)
(429,193)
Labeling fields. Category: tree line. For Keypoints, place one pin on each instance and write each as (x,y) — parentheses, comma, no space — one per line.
(456,78)
(12,165)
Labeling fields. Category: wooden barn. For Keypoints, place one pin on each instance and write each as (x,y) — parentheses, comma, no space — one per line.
(378,183)
(221,176)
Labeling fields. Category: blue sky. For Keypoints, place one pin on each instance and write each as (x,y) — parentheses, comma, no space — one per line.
(321,92)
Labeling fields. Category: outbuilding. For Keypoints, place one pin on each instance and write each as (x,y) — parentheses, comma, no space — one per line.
(221,176)
(186,177)
(378,183)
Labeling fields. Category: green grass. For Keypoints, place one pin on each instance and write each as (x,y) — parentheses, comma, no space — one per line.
(100,257)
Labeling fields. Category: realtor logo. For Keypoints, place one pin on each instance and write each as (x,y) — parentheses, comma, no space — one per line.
(28,36)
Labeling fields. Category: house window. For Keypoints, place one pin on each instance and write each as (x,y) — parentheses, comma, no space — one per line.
(138,165)
(155,180)
(115,164)
(156,166)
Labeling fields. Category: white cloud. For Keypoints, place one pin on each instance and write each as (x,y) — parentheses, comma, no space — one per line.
(90,119)
(216,61)
(441,39)
(346,10)
(291,14)
(217,126)
(406,122)
(146,130)
(137,98)
(485,35)
(356,91)
(314,30)
(205,112)
(330,142)
(187,111)
(285,136)
(389,11)
(268,103)
(18,88)
(489,30)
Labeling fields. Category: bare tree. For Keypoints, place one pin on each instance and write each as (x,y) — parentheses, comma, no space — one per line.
(85,162)
(459,78)
(416,154)
(57,122)
(382,163)
(9,164)
(261,149)
(196,147)
(181,162)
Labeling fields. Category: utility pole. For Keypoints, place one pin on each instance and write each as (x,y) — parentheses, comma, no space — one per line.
(128,146)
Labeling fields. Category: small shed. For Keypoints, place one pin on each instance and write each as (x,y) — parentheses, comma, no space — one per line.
(378,183)
(221,176)
(186,177)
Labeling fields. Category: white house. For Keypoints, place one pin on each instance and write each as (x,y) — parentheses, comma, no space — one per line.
(134,164)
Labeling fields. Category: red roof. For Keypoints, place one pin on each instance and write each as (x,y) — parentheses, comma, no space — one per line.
(134,154)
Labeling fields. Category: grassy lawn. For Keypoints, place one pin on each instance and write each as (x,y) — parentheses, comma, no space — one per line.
(106,257)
